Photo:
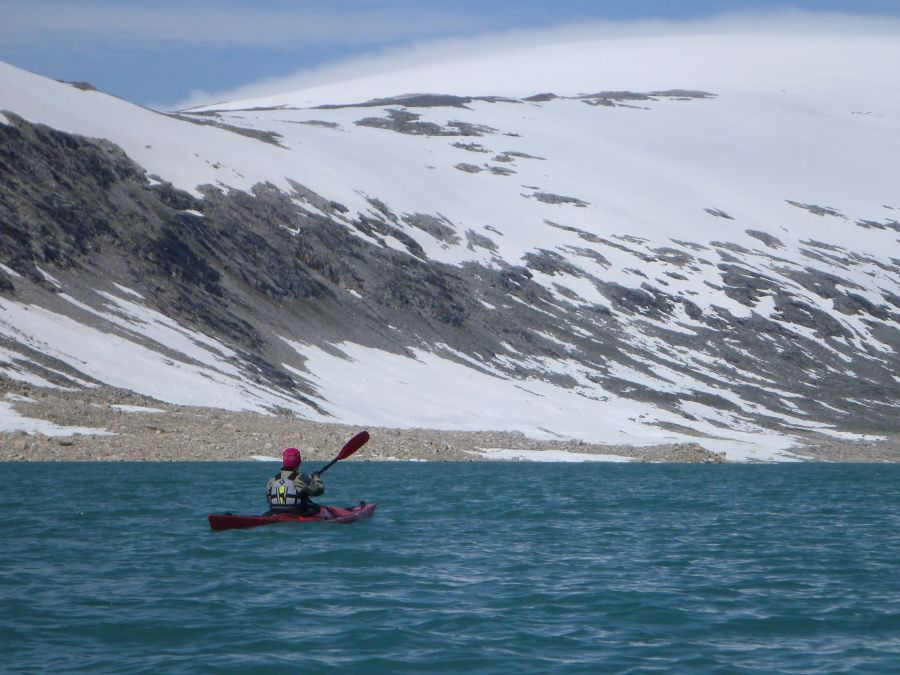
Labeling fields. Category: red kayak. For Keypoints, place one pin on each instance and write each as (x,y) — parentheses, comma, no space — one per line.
(327,514)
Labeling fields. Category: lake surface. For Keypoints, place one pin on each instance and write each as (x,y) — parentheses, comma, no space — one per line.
(481,567)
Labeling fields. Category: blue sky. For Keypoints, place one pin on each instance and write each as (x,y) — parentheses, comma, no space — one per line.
(160,52)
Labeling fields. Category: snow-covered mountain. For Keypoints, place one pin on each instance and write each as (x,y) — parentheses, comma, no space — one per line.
(635,241)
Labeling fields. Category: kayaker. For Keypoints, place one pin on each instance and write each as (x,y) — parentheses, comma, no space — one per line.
(289,491)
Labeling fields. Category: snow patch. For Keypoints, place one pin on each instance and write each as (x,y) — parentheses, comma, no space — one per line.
(49,277)
(849,436)
(11,420)
(123,363)
(11,272)
(18,398)
(129,291)
(136,408)
(548,455)
(368,386)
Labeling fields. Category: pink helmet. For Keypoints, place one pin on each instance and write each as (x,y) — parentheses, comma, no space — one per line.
(290,459)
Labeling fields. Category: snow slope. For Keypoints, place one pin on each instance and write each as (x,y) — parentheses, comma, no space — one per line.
(775,153)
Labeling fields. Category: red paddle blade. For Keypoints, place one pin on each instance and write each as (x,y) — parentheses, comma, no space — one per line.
(354,444)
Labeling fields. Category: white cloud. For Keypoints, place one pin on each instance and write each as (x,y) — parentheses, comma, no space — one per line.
(218,24)
(447,49)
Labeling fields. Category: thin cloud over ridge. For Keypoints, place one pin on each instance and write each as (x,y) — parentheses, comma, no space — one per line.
(218,24)
(789,22)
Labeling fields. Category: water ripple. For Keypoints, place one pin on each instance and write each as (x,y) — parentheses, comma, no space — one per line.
(488,568)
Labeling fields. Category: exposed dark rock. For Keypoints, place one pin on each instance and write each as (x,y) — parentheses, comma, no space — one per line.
(823,284)
(522,155)
(682,94)
(469,168)
(638,254)
(320,123)
(271,137)
(515,279)
(511,156)
(48,181)
(817,210)
(734,248)
(502,171)
(540,98)
(631,238)
(587,236)
(475,239)
(373,226)
(691,309)
(174,256)
(766,238)
(851,303)
(6,284)
(746,286)
(567,293)
(690,244)
(404,122)
(645,300)
(383,209)
(550,262)
(409,101)
(673,256)
(589,253)
(176,199)
(718,213)
(617,96)
(469,129)
(550,198)
(875,225)
(820,244)
(802,314)
(438,227)
(471,147)
(607,102)
(823,257)
(84,86)
(325,205)
(497,99)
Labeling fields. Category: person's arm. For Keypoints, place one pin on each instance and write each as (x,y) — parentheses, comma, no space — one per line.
(316,484)
(311,486)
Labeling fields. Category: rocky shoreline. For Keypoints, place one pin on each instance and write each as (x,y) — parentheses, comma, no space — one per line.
(146,430)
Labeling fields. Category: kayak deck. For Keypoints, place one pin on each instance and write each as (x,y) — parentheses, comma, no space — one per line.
(327,514)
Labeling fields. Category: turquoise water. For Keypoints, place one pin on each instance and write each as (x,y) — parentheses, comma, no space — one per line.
(489,567)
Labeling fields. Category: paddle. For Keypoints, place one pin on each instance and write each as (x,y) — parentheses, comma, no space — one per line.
(349,448)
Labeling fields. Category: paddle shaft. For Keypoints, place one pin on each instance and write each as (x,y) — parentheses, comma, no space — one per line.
(349,448)
(327,466)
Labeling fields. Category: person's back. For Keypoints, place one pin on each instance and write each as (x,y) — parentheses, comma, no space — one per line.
(289,491)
